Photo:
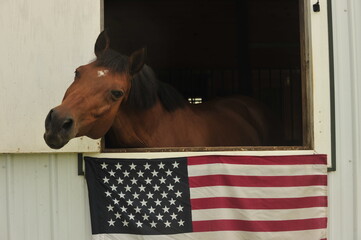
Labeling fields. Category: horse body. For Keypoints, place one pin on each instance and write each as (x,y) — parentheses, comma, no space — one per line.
(232,121)
(120,97)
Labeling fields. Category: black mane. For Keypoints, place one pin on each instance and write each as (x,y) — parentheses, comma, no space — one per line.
(146,88)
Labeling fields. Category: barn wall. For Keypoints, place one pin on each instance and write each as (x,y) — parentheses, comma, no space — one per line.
(42,198)
(42,43)
(345,183)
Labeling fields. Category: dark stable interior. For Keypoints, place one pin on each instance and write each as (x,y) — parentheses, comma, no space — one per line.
(215,48)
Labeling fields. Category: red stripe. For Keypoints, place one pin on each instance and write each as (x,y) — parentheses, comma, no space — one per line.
(258,203)
(259,226)
(258,181)
(260,160)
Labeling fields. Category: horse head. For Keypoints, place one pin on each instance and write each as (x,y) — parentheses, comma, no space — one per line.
(91,102)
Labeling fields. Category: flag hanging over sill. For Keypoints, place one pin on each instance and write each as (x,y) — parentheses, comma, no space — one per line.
(209,197)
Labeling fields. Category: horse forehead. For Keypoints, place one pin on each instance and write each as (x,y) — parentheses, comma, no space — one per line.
(102,73)
(91,71)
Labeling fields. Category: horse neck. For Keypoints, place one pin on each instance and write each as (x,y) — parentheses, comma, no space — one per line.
(137,128)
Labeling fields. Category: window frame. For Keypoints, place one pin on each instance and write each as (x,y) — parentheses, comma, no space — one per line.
(317,78)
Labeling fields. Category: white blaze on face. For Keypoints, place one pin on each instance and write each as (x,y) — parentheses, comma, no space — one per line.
(102,73)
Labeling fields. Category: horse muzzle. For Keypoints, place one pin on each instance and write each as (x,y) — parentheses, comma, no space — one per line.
(59,129)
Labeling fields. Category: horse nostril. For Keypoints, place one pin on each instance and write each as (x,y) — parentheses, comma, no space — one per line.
(49,115)
(67,124)
(48,119)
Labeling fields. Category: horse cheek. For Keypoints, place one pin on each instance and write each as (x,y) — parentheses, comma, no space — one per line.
(101,126)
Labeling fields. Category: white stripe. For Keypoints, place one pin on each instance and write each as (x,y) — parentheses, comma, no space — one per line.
(257,192)
(255,170)
(227,235)
(258,215)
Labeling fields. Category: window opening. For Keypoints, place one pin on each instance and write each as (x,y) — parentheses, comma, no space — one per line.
(208,49)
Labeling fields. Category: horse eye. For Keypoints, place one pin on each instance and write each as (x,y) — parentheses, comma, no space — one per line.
(116,94)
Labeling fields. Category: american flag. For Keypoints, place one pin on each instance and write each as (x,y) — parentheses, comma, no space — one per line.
(209,197)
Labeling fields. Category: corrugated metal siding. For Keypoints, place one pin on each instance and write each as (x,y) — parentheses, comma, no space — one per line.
(42,198)
(344,184)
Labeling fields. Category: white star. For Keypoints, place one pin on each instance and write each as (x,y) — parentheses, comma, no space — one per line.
(153,224)
(175,164)
(125,223)
(113,187)
(130,202)
(162,180)
(158,202)
(117,215)
(108,194)
(126,173)
(111,173)
(110,208)
(151,210)
(148,181)
(159,216)
(181,223)
(170,187)
(156,187)
(172,201)
(120,181)
(106,180)
(180,208)
(161,165)
(128,188)
(143,202)
(164,194)
(140,173)
(169,172)
(132,166)
(111,222)
(178,193)
(165,209)
(121,195)
(131,216)
(154,173)
(174,216)
(116,201)
(102,73)
(118,166)
(141,188)
(150,195)
(145,217)
(139,224)
(176,179)
(134,181)
(135,195)
(147,166)
(167,223)
(124,209)
(137,209)
(104,165)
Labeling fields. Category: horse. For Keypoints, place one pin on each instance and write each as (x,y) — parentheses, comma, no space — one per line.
(121,97)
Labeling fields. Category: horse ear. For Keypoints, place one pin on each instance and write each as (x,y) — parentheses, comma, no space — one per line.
(136,61)
(102,43)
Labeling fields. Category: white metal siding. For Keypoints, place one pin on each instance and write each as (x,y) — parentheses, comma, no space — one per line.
(42,198)
(42,42)
(345,190)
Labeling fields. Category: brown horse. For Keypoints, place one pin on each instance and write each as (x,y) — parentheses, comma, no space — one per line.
(121,96)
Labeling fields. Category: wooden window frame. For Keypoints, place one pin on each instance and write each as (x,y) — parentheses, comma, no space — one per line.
(317,83)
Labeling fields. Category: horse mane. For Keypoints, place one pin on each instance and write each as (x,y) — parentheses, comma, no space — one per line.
(146,89)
